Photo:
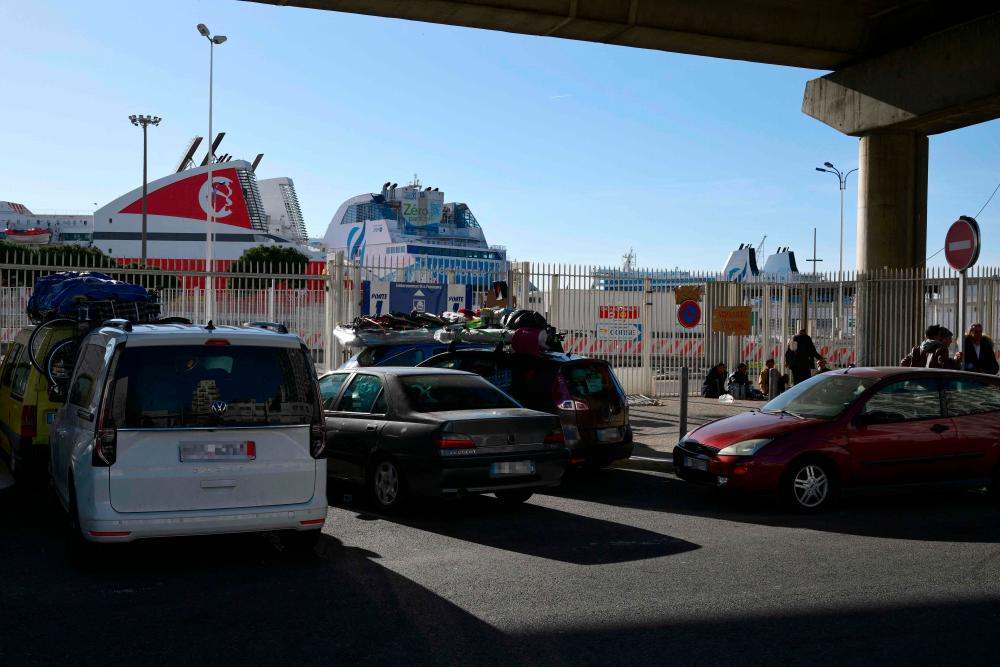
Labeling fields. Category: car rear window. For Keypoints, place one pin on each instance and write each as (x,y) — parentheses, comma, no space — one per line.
(589,380)
(441,393)
(196,385)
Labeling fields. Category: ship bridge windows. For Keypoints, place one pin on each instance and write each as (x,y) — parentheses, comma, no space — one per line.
(368,211)
(467,253)
(460,216)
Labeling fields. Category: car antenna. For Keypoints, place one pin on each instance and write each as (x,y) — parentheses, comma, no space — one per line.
(210,326)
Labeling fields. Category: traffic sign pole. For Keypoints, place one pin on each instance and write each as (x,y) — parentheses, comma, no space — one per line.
(962,244)
(960,334)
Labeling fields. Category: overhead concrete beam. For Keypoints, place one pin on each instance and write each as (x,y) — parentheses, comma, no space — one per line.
(942,82)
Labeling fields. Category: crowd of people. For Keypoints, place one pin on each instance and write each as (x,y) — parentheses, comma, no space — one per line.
(803,360)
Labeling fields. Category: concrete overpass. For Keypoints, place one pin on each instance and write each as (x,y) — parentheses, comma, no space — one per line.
(901,70)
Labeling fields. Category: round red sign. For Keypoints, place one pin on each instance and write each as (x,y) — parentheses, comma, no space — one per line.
(961,244)
(689,314)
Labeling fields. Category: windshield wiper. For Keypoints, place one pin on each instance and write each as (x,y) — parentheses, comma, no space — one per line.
(783,412)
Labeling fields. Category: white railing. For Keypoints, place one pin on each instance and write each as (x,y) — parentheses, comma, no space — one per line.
(631,318)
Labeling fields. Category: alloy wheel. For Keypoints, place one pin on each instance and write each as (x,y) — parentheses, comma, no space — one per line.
(386,484)
(811,485)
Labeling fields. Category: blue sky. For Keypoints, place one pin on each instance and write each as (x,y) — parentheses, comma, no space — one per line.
(566,151)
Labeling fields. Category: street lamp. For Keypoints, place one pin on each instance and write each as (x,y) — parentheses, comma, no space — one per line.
(842,179)
(210,220)
(144,122)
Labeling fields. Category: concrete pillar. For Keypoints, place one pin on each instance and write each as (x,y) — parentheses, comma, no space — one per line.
(892,201)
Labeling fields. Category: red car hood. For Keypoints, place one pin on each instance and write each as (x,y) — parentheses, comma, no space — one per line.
(748,426)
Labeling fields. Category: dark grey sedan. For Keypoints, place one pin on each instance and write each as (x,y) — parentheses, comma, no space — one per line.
(430,432)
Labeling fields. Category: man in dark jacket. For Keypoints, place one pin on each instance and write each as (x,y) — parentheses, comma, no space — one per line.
(715,381)
(801,356)
(936,353)
(977,352)
(918,355)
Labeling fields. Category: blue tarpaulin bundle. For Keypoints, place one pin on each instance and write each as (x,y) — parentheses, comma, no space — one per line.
(89,295)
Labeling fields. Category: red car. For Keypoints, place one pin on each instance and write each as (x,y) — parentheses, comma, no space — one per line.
(863,427)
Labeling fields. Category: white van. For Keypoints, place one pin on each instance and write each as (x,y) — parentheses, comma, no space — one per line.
(178,429)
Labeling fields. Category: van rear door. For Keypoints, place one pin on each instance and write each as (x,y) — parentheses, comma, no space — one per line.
(589,395)
(211,426)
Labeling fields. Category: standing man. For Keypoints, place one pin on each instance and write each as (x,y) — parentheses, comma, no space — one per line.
(802,356)
(977,352)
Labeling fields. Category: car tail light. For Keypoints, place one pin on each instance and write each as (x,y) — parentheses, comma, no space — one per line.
(251,450)
(29,421)
(564,399)
(106,439)
(555,437)
(317,429)
(105,447)
(455,444)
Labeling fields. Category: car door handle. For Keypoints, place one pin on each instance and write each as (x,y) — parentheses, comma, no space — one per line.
(85,414)
(939,428)
(371,427)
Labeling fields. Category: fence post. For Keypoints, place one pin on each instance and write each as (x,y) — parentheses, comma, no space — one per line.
(646,338)
(336,307)
(772,383)
(270,301)
(524,268)
(328,318)
(553,315)
(682,422)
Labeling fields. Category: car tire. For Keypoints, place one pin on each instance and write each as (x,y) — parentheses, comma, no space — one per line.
(386,485)
(993,490)
(513,496)
(809,485)
(300,541)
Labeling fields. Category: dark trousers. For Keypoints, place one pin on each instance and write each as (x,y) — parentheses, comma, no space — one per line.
(801,373)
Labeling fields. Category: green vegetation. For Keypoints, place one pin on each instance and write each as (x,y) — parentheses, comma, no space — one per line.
(268,262)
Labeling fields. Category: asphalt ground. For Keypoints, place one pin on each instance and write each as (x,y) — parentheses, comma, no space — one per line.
(614,567)
(657,429)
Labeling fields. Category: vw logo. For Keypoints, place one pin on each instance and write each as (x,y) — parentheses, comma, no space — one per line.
(219,408)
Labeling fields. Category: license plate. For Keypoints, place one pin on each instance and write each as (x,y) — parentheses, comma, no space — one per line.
(696,464)
(512,468)
(218,451)
(608,435)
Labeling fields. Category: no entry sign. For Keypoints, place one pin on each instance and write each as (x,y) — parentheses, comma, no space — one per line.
(689,314)
(961,244)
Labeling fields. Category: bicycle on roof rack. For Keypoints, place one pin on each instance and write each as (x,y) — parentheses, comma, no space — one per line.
(60,360)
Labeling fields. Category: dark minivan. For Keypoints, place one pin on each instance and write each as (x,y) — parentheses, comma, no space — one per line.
(584,393)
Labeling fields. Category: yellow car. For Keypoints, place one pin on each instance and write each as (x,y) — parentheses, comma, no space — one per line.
(28,403)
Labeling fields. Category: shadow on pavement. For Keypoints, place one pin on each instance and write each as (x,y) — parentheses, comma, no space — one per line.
(239,600)
(946,515)
(538,531)
(221,600)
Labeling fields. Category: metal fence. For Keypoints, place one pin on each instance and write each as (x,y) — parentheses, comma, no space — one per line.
(630,318)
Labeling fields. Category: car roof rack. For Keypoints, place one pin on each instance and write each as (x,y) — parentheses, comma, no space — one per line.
(118,323)
(269,326)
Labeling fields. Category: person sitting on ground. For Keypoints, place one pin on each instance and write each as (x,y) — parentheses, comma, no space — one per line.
(764,379)
(977,353)
(715,381)
(917,356)
(739,382)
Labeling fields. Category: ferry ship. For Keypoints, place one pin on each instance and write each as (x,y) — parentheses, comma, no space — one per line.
(18,224)
(247,213)
(409,234)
